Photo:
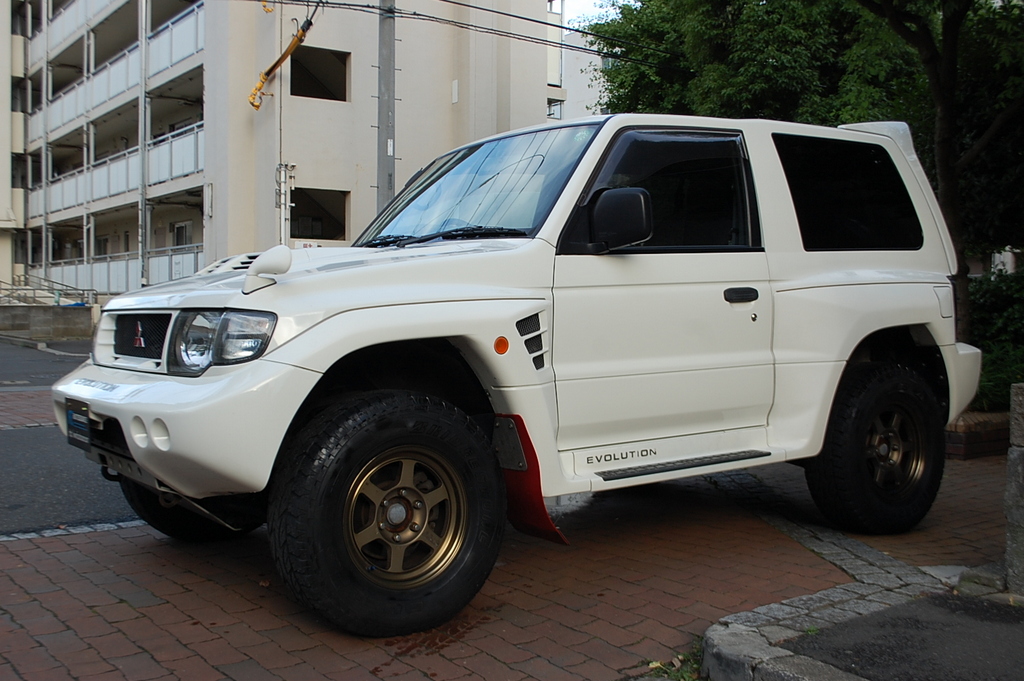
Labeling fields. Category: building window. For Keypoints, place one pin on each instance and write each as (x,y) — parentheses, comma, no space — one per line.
(318,213)
(555,109)
(182,232)
(319,73)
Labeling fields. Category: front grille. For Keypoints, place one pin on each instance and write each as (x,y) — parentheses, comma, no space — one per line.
(141,335)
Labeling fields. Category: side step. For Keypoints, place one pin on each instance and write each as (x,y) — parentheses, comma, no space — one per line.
(651,469)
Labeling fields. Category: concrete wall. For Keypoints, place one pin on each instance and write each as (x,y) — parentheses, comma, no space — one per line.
(42,322)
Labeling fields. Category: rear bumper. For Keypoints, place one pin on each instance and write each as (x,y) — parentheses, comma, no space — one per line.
(963,367)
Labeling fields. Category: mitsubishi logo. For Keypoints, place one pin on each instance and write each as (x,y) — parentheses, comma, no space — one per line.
(140,342)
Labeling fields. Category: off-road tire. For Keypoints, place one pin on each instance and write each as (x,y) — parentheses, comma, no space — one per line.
(882,462)
(176,521)
(387,512)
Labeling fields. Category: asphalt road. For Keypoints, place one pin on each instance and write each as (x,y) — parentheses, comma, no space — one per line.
(943,637)
(23,367)
(47,483)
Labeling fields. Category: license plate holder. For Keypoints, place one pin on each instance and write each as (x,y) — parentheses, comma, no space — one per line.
(78,424)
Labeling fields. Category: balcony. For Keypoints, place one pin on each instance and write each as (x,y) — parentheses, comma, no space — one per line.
(172,43)
(180,154)
(177,40)
(65,23)
(117,273)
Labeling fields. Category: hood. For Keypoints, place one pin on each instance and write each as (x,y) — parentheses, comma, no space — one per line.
(418,272)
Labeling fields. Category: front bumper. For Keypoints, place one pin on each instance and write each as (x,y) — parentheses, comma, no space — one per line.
(207,436)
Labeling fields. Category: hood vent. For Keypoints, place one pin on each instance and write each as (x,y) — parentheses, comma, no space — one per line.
(232,263)
(529,329)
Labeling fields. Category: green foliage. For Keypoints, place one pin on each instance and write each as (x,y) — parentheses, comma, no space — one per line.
(997,304)
(1002,365)
(813,61)
(991,76)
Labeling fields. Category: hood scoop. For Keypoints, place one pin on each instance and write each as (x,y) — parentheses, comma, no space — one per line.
(277,260)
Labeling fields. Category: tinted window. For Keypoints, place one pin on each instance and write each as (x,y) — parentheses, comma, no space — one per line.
(848,195)
(697,182)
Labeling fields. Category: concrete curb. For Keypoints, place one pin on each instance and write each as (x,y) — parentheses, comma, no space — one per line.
(741,647)
(38,345)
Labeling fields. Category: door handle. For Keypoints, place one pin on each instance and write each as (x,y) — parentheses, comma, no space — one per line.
(741,294)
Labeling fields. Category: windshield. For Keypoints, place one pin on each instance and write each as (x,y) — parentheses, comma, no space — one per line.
(504,187)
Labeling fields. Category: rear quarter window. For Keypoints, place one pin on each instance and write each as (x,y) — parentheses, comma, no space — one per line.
(848,196)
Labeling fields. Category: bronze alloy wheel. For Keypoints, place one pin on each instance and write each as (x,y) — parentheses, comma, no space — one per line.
(894,454)
(405,517)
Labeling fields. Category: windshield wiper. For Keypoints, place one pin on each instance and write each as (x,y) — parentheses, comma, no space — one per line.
(471,232)
(386,240)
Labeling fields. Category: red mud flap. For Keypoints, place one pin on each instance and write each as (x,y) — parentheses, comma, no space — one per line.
(526,509)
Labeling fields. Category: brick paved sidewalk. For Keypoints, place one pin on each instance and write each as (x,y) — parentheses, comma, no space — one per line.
(966,526)
(26,408)
(648,570)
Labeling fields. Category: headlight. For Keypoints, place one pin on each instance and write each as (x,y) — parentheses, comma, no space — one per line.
(202,338)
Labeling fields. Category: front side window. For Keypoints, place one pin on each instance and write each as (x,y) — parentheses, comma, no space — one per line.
(504,187)
(848,196)
(698,183)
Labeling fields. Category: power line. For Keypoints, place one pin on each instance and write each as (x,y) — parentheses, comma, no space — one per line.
(628,43)
(512,35)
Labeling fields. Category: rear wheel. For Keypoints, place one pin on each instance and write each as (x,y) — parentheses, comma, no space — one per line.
(387,514)
(882,463)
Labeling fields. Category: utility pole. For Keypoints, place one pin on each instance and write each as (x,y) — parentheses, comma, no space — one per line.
(386,104)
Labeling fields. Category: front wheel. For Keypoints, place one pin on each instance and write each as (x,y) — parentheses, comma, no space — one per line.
(387,513)
(882,463)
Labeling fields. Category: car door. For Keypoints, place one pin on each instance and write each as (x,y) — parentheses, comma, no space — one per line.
(672,337)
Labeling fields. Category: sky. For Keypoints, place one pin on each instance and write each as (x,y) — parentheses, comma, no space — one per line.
(575,9)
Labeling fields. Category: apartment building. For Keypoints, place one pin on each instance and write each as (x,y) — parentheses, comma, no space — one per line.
(135,156)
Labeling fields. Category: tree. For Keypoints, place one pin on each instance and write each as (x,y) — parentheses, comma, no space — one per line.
(840,61)
(935,30)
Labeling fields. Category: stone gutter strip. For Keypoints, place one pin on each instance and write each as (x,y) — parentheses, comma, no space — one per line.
(78,529)
(741,646)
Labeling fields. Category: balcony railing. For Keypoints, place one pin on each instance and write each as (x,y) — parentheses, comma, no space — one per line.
(73,16)
(116,76)
(177,40)
(115,175)
(179,154)
(120,272)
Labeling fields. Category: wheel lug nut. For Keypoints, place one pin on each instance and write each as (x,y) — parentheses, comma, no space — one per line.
(403,492)
(415,527)
(397,538)
(381,526)
(417,504)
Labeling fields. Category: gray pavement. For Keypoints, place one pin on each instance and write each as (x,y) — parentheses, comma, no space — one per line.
(47,484)
(943,636)
(896,622)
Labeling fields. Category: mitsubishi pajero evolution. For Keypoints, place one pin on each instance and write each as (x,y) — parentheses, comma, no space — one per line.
(575,307)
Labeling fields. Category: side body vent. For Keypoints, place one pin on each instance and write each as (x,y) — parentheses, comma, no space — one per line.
(530,330)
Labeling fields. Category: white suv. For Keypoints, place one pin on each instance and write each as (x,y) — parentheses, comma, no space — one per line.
(570,308)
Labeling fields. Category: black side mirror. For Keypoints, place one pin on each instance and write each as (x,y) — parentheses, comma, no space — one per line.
(620,217)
